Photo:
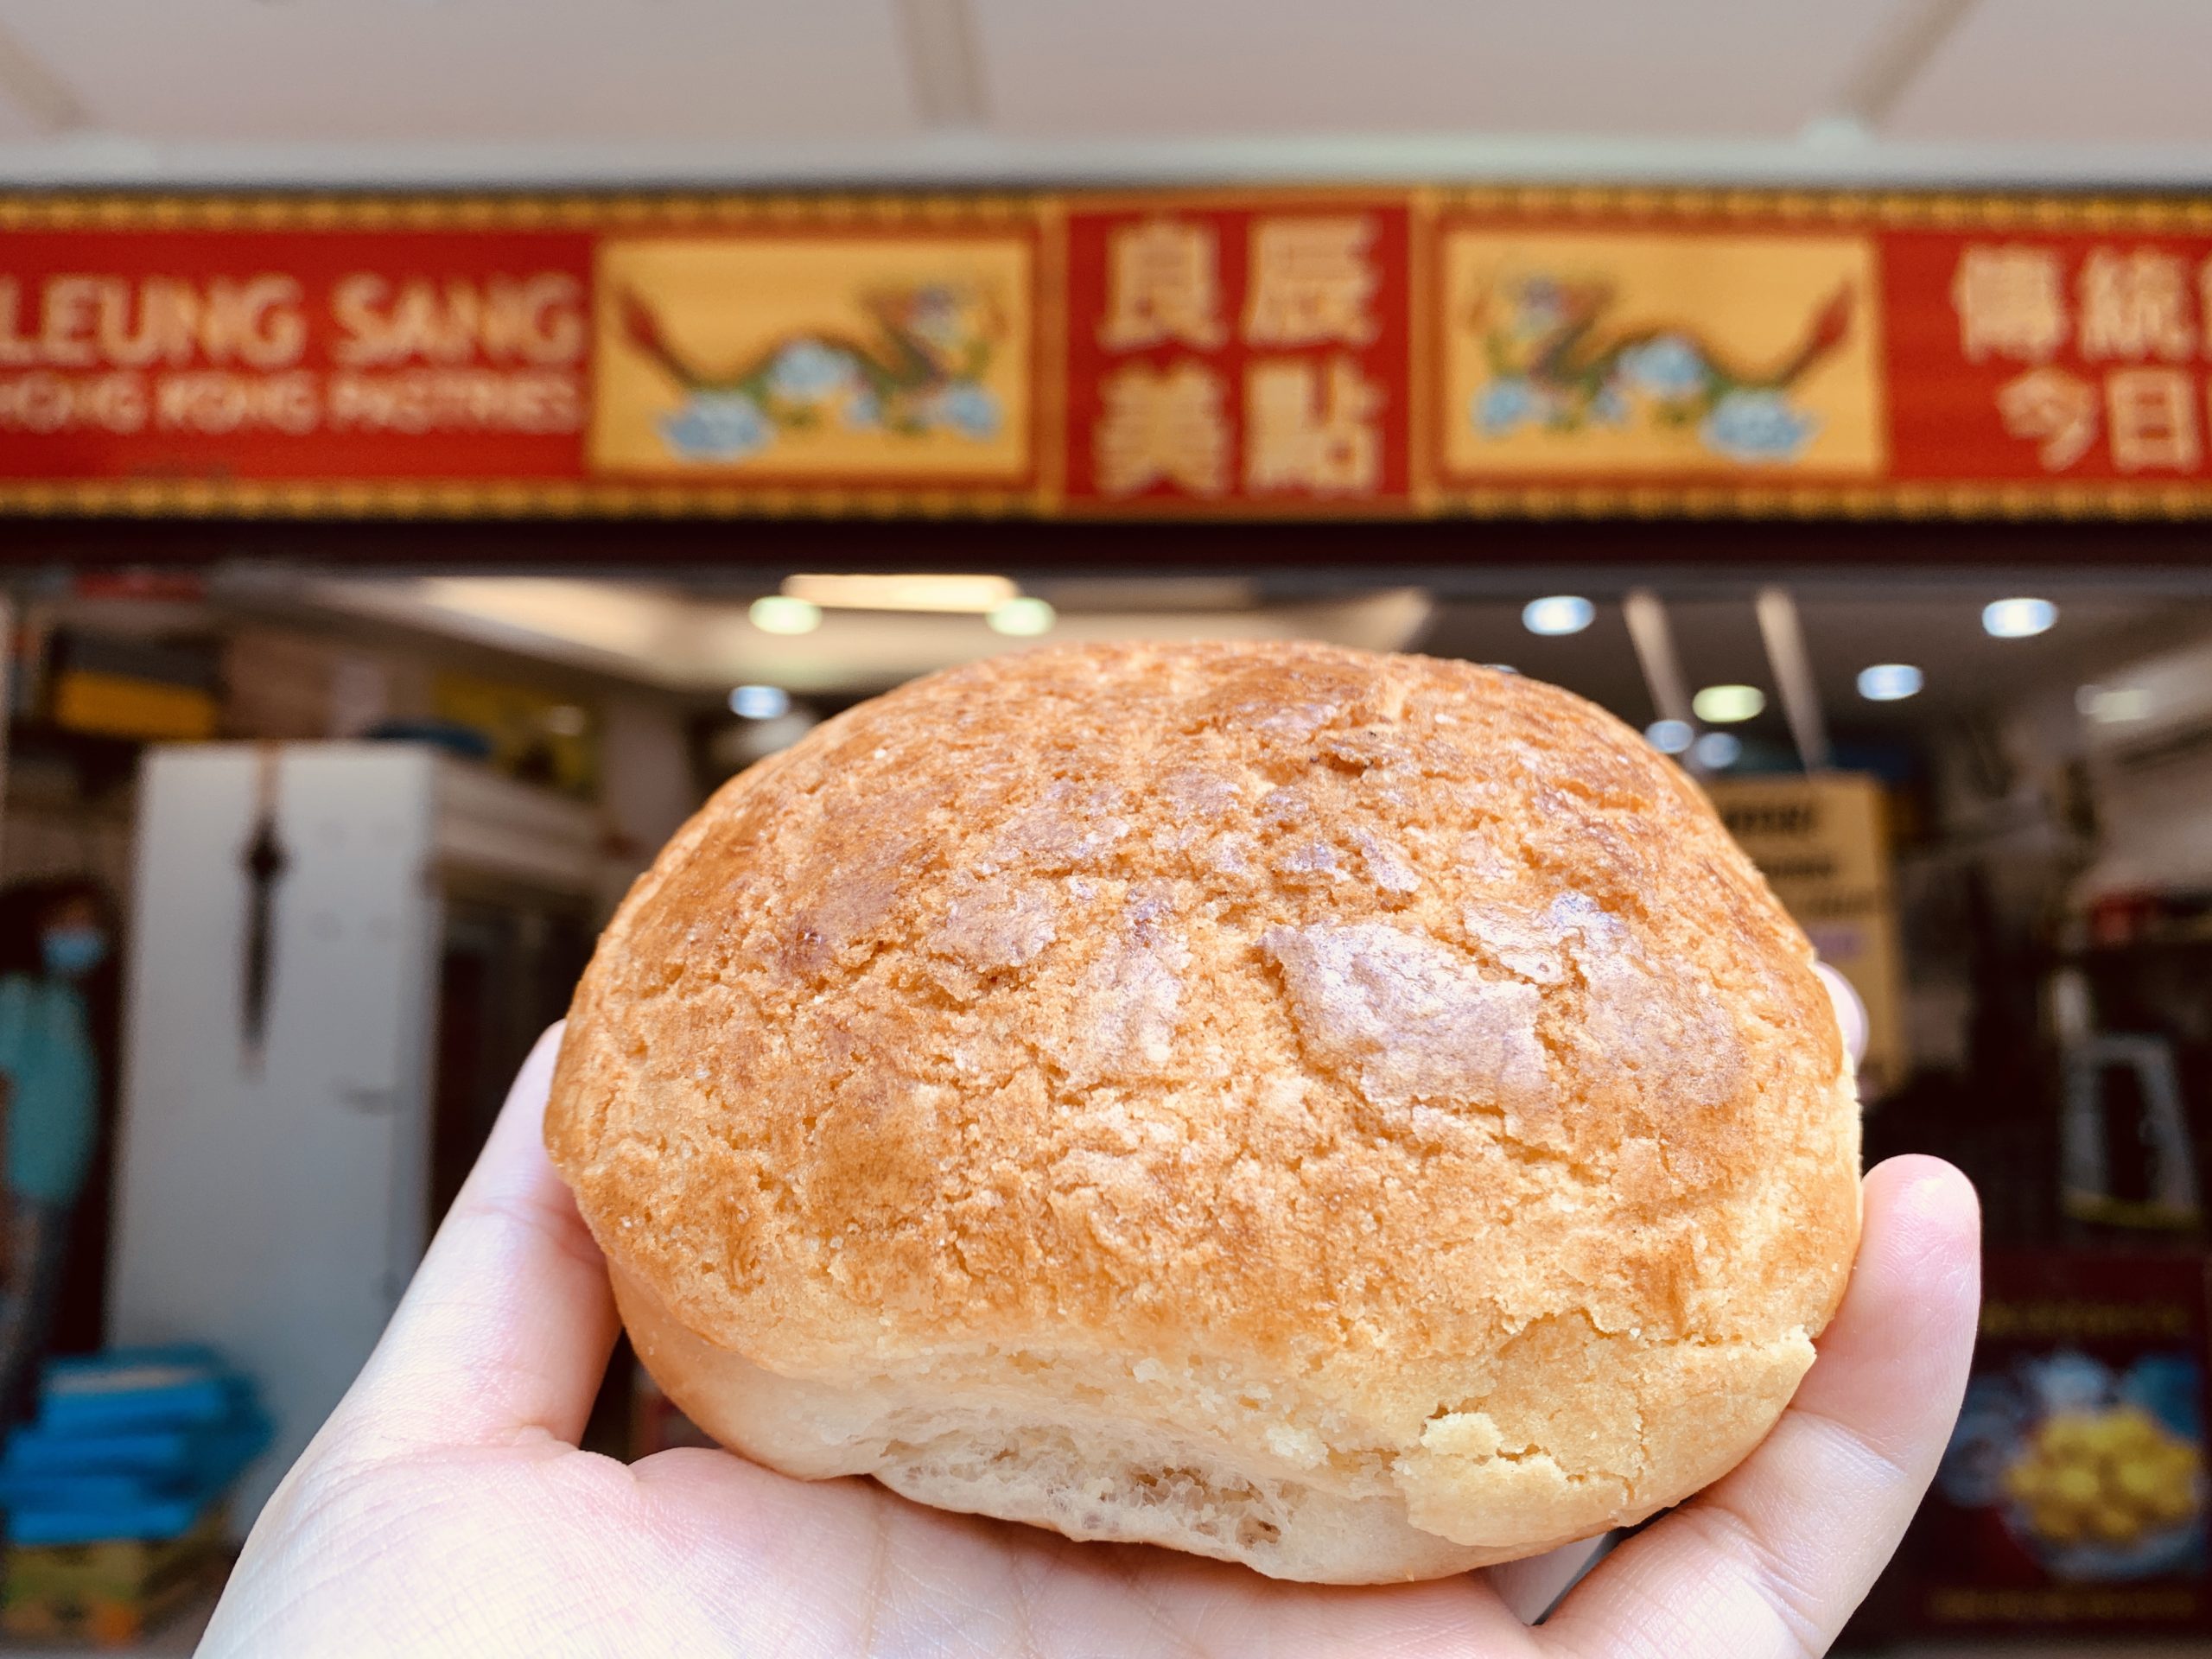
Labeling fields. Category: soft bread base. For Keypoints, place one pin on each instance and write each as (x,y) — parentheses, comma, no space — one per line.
(1114,1481)
(1047,1460)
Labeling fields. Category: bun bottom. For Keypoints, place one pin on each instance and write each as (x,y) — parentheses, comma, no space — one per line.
(981,1448)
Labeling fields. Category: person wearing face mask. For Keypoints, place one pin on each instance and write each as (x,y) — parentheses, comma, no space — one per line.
(54,936)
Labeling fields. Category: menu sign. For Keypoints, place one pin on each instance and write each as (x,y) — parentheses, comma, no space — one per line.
(1821,843)
(2072,1496)
(1281,353)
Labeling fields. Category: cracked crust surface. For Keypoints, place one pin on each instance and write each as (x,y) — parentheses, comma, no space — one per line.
(1359,1115)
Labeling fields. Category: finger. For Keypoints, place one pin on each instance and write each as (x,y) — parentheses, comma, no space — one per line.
(1850,1010)
(1772,1560)
(509,1321)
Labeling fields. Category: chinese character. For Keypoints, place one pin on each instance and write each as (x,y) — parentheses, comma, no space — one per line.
(2135,305)
(2056,410)
(2010,302)
(1311,280)
(1163,425)
(2152,419)
(1304,431)
(1162,284)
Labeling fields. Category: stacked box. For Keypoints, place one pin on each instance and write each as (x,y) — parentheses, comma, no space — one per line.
(114,1493)
(114,1592)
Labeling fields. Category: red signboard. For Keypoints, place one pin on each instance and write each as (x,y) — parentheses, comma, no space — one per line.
(1240,356)
(1292,354)
(2040,355)
(237,356)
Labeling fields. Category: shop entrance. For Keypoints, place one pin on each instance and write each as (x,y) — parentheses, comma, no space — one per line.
(1982,788)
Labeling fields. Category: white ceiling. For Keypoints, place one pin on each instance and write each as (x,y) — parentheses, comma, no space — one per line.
(740,92)
(1740,68)
(473,71)
(2070,73)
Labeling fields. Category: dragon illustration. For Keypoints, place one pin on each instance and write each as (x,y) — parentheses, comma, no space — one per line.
(920,368)
(1554,364)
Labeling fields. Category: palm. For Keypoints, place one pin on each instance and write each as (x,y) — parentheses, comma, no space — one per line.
(445,1508)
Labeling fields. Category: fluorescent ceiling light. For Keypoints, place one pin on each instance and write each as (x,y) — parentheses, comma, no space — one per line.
(1718,750)
(782,613)
(1023,619)
(1558,613)
(703,647)
(1724,705)
(1670,736)
(760,702)
(2113,705)
(977,595)
(1889,682)
(2018,618)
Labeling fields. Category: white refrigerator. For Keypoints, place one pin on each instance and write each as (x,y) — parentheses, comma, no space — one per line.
(338,950)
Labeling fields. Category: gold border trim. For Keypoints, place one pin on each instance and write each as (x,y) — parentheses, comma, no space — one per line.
(628,211)
(529,498)
(611,213)
(1044,214)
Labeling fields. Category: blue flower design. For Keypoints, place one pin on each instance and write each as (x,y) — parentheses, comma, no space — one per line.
(806,370)
(1757,428)
(1609,408)
(717,426)
(968,410)
(1666,366)
(1503,406)
(864,413)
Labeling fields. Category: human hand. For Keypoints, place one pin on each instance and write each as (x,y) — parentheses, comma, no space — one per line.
(445,1507)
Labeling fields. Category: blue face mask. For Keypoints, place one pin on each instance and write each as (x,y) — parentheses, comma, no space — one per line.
(72,952)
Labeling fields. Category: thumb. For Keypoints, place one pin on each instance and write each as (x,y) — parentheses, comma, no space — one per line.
(508,1323)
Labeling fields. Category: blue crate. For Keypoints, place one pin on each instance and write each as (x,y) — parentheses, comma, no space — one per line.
(135,1444)
(137,1387)
(154,1521)
(33,1466)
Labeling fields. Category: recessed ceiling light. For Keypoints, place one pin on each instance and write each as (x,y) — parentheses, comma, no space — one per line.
(1500,668)
(870,591)
(1670,736)
(1889,682)
(1558,613)
(2113,705)
(1025,619)
(1718,750)
(2018,618)
(1724,705)
(760,702)
(781,613)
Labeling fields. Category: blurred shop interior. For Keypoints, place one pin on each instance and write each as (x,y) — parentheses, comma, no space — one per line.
(346,793)
(358,827)
(1988,797)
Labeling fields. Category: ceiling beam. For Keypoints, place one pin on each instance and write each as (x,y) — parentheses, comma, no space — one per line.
(943,63)
(43,97)
(1894,59)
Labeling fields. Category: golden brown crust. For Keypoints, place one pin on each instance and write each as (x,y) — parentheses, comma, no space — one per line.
(1349,1018)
